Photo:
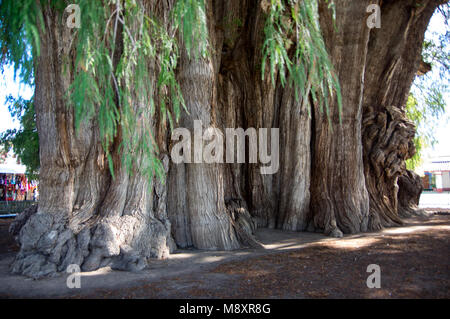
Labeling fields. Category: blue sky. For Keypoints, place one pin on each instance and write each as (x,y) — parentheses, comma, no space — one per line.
(8,85)
(442,131)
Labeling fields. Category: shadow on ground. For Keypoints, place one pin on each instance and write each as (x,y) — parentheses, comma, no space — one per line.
(414,261)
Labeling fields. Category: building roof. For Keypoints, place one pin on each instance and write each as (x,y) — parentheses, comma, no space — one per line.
(12,169)
(10,166)
(438,164)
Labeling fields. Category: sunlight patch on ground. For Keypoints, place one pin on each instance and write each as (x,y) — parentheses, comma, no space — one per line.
(204,256)
(352,243)
(407,230)
(101,271)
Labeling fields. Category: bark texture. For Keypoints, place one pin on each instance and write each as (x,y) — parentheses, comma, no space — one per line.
(85,217)
(388,142)
(409,189)
(394,58)
(340,202)
(335,176)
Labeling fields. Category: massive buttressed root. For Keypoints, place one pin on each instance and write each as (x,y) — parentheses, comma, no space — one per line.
(338,170)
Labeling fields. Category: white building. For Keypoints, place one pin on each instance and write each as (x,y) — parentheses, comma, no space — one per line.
(437,174)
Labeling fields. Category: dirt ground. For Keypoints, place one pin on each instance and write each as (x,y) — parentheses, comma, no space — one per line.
(414,261)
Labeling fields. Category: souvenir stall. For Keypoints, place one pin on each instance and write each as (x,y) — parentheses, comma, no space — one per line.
(14,185)
(17,187)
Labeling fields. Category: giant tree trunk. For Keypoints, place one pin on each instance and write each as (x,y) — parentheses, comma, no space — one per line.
(326,175)
(394,57)
(339,197)
(84,216)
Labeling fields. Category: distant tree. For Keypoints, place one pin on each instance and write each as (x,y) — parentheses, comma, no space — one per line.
(3,155)
(426,104)
(25,140)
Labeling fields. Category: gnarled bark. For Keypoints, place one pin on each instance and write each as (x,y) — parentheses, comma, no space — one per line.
(393,61)
(388,142)
(409,189)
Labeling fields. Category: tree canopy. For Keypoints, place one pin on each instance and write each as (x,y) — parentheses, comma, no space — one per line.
(25,140)
(427,102)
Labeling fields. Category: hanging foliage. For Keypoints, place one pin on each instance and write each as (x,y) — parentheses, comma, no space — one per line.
(124,54)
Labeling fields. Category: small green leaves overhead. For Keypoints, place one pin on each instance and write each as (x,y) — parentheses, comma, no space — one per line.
(124,74)
(124,71)
(19,36)
(294,48)
(126,66)
(190,18)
